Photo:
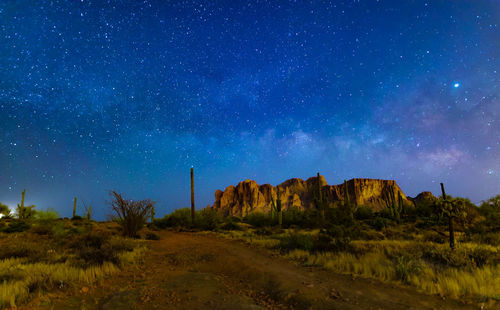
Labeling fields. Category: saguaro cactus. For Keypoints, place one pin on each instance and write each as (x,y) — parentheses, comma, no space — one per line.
(89,213)
(74,207)
(192,196)
(453,208)
(153,213)
(319,200)
(277,207)
(22,210)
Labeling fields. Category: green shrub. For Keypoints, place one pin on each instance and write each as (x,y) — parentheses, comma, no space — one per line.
(258,219)
(42,229)
(293,217)
(23,249)
(363,213)
(77,218)
(379,223)
(17,226)
(335,238)
(230,225)
(292,241)
(46,215)
(208,219)
(405,267)
(179,218)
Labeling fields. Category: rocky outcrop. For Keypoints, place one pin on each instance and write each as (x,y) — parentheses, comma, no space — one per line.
(248,196)
(423,197)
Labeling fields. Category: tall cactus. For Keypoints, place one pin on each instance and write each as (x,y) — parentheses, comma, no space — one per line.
(347,201)
(277,207)
(89,213)
(192,196)
(395,205)
(22,210)
(153,213)
(320,201)
(74,207)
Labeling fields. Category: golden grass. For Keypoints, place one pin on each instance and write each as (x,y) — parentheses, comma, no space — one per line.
(27,277)
(375,259)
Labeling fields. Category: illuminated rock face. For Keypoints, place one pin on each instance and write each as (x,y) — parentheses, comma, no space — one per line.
(248,196)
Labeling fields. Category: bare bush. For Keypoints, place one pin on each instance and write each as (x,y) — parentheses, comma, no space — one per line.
(132,215)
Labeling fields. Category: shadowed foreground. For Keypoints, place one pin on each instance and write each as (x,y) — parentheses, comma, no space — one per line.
(195,271)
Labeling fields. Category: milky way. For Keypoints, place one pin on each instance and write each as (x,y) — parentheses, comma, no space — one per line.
(128,95)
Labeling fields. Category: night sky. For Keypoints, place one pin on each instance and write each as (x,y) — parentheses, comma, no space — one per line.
(129,95)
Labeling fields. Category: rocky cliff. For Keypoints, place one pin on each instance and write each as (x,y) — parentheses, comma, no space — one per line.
(248,196)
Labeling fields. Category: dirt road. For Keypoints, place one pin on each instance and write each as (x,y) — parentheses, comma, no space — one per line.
(194,271)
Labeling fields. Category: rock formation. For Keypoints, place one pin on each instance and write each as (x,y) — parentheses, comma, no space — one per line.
(248,196)
(423,197)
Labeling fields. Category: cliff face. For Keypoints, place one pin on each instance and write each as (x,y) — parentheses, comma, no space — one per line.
(248,196)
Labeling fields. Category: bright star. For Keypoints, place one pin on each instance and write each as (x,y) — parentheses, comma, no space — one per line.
(456,85)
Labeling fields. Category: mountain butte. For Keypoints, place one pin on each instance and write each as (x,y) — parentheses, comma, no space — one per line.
(248,196)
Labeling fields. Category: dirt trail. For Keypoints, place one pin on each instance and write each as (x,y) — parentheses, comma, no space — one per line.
(194,271)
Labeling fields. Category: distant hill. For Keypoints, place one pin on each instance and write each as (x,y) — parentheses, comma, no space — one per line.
(248,196)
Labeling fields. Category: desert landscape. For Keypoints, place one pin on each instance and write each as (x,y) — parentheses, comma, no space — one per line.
(301,244)
(258,154)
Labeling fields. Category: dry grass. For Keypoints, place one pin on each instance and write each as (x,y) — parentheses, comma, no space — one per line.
(25,278)
(471,270)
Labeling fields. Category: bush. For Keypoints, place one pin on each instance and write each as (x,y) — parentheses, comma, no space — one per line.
(17,226)
(207,219)
(405,267)
(379,223)
(132,214)
(293,217)
(42,229)
(258,219)
(97,248)
(178,218)
(295,240)
(335,238)
(47,215)
(33,251)
(77,218)
(363,213)
(230,225)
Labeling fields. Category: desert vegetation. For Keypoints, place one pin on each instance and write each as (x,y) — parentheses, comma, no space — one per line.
(40,252)
(446,246)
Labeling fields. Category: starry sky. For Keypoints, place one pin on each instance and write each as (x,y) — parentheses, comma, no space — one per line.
(129,95)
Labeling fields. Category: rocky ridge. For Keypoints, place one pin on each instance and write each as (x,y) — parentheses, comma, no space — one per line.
(248,196)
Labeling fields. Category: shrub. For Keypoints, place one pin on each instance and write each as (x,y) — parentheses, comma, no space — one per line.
(295,240)
(208,219)
(293,217)
(42,229)
(258,219)
(406,267)
(47,215)
(17,226)
(335,238)
(379,223)
(77,218)
(22,249)
(132,214)
(230,225)
(363,213)
(178,218)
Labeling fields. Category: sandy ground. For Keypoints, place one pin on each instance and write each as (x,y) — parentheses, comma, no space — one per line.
(196,271)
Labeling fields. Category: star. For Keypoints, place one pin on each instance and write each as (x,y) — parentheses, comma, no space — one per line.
(456,85)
